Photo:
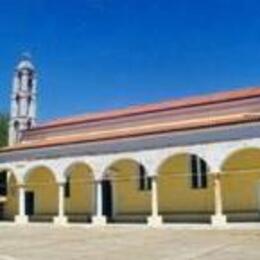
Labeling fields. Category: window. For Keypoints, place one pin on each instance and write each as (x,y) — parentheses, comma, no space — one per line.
(29,124)
(17,131)
(145,183)
(30,82)
(20,74)
(18,107)
(198,173)
(3,183)
(67,188)
(29,103)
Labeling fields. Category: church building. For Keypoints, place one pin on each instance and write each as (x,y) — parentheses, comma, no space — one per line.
(191,160)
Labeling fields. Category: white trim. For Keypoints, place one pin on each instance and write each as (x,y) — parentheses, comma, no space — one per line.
(213,153)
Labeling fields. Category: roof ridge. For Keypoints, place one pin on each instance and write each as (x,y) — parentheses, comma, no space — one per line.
(177,103)
(149,125)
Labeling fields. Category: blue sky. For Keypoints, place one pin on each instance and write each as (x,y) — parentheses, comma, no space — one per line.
(94,55)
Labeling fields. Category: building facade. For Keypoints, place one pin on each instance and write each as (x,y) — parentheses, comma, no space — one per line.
(193,160)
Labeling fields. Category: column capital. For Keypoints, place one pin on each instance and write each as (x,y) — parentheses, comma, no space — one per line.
(62,183)
(217,174)
(99,179)
(21,185)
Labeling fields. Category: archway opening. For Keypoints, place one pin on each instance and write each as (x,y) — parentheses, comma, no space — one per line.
(126,192)
(185,189)
(8,195)
(79,193)
(241,185)
(41,196)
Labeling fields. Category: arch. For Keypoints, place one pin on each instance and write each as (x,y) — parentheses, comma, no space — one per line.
(130,203)
(33,168)
(241,184)
(168,157)
(110,169)
(74,164)
(12,170)
(182,196)
(237,152)
(41,196)
(79,191)
(101,165)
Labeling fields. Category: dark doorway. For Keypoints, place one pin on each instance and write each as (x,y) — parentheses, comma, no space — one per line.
(107,199)
(2,210)
(29,203)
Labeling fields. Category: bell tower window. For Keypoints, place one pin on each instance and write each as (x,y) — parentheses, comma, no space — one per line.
(17,130)
(17,100)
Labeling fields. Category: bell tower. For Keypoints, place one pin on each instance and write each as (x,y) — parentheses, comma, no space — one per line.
(23,99)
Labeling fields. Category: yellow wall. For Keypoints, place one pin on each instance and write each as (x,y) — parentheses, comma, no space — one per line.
(128,199)
(42,183)
(241,182)
(175,192)
(241,190)
(11,206)
(82,191)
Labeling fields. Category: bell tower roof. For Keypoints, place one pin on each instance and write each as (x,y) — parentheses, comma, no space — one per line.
(25,62)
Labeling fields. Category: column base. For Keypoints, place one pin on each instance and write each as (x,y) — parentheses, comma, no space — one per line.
(21,219)
(58,220)
(218,220)
(154,221)
(99,221)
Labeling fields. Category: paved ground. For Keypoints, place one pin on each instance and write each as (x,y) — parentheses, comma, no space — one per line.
(119,243)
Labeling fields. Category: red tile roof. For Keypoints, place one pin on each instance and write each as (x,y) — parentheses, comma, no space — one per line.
(145,128)
(156,107)
(135,131)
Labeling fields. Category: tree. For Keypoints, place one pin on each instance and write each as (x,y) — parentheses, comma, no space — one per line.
(3,129)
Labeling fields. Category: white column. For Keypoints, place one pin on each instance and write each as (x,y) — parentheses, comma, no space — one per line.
(154,198)
(154,220)
(21,190)
(21,218)
(61,200)
(61,218)
(99,219)
(218,219)
(99,195)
